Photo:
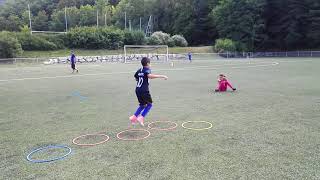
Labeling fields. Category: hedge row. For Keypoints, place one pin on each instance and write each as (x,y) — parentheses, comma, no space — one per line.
(83,38)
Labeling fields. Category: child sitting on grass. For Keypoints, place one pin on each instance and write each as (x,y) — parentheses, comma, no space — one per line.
(223,84)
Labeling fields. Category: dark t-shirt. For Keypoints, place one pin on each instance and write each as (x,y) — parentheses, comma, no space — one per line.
(73,59)
(142,79)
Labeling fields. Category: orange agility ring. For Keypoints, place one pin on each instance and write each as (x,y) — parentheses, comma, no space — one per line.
(134,130)
(174,126)
(106,138)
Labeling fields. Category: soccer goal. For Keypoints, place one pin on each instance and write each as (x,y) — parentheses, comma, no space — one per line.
(155,53)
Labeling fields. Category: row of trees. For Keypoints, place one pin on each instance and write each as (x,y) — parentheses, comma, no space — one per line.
(251,24)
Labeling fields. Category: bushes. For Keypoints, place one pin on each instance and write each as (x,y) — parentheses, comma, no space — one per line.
(35,42)
(95,38)
(9,45)
(179,41)
(152,40)
(222,45)
(161,38)
(134,38)
(60,40)
(90,38)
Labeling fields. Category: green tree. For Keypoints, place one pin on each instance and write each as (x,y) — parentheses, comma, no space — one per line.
(313,32)
(135,10)
(25,18)
(87,16)
(40,22)
(9,45)
(58,21)
(241,21)
(223,45)
(67,3)
(73,16)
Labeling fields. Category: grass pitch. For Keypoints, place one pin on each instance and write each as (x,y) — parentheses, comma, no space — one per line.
(267,129)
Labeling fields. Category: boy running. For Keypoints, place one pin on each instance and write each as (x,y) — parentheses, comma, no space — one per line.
(142,77)
(190,56)
(73,62)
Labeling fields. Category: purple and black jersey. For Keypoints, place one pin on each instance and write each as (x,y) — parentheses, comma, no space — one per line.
(73,59)
(142,79)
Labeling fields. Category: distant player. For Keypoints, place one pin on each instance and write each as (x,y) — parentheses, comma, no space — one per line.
(73,62)
(223,84)
(190,56)
(142,77)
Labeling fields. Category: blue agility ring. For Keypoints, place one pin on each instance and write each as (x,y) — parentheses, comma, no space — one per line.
(49,147)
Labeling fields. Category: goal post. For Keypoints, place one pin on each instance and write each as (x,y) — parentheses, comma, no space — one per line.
(154,52)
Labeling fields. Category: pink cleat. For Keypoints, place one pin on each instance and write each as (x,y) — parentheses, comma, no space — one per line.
(133,119)
(141,120)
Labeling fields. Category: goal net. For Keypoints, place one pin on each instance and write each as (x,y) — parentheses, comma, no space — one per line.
(155,53)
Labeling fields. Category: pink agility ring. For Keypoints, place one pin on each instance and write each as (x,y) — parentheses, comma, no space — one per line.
(74,141)
(132,130)
(175,125)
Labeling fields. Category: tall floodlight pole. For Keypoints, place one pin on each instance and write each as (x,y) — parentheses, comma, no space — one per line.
(105,19)
(97,18)
(125,20)
(30,19)
(65,18)
(129,25)
(140,25)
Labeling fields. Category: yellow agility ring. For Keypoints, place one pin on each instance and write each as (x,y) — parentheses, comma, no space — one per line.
(197,129)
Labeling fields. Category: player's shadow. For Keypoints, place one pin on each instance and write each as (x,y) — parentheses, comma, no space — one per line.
(225,92)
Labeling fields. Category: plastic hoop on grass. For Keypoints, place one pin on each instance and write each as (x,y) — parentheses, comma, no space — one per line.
(197,129)
(175,125)
(74,141)
(132,130)
(29,157)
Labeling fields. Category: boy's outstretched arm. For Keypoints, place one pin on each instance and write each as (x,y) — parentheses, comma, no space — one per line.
(155,76)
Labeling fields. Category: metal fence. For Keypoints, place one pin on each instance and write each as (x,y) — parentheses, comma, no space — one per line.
(89,59)
(156,57)
(22,60)
(270,54)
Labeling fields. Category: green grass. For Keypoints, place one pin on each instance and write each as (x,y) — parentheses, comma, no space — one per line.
(83,52)
(267,129)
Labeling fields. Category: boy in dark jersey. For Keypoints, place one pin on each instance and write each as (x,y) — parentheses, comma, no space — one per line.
(73,62)
(142,77)
(190,56)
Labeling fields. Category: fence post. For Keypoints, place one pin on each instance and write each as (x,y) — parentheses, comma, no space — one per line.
(298,53)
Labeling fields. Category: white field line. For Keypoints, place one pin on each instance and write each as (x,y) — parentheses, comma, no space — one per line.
(249,65)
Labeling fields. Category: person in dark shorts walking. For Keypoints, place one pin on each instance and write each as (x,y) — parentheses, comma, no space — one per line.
(73,62)
(142,77)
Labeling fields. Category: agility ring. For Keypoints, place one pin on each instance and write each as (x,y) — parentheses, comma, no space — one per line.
(197,129)
(29,157)
(74,141)
(134,130)
(175,125)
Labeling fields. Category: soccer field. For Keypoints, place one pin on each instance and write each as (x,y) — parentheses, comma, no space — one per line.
(268,129)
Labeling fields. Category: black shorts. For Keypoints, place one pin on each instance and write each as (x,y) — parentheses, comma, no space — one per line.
(73,65)
(144,97)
